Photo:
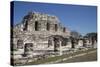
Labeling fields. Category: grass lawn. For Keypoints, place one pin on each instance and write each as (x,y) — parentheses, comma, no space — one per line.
(87,57)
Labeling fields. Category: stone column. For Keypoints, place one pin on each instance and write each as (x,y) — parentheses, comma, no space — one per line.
(60,48)
(95,44)
(80,43)
(53,44)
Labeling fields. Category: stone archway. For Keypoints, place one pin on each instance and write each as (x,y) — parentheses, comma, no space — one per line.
(28,48)
(56,41)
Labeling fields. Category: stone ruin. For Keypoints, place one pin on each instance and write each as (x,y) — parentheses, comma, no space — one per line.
(40,32)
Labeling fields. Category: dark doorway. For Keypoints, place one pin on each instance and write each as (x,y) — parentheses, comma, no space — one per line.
(36,26)
(28,47)
(56,44)
(56,27)
(48,26)
(20,44)
(25,25)
(64,29)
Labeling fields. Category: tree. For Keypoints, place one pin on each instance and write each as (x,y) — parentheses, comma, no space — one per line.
(92,37)
(72,42)
(76,34)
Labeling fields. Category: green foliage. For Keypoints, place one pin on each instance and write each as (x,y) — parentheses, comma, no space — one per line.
(92,35)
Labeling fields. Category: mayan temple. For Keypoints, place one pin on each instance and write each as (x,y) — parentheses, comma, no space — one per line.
(52,33)
(40,32)
(41,36)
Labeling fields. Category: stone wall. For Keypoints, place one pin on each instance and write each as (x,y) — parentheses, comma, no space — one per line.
(37,27)
(39,30)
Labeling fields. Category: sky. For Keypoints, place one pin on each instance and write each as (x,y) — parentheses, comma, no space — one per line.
(80,18)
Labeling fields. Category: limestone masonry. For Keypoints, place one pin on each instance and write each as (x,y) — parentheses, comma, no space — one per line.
(39,31)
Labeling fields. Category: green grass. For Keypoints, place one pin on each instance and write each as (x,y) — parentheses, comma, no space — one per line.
(85,58)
